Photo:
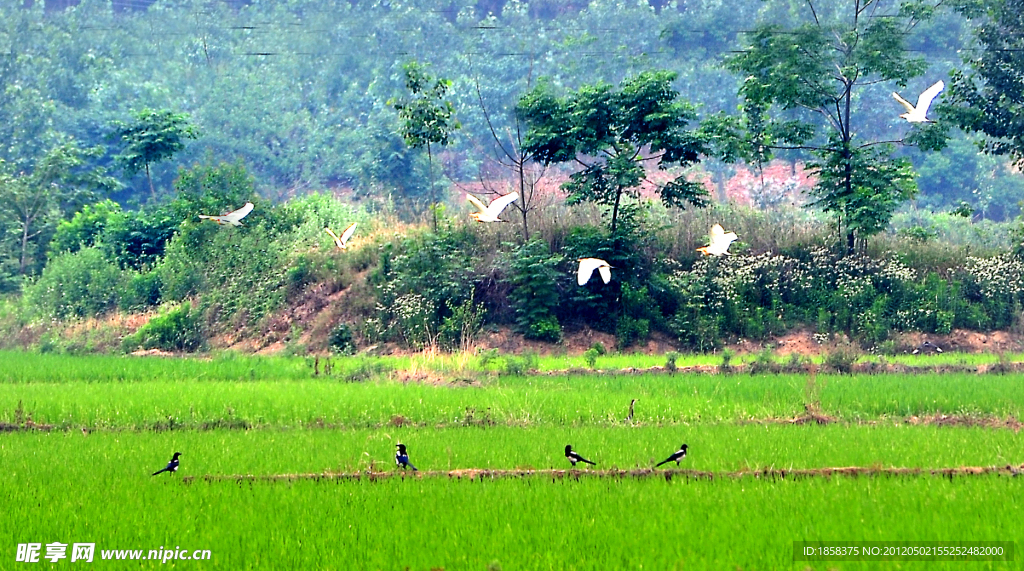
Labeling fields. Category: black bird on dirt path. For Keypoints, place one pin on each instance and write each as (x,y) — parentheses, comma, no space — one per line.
(927,347)
(402,457)
(574,457)
(675,457)
(171,466)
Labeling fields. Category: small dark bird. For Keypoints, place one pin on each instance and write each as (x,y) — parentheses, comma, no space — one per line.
(675,457)
(928,346)
(402,458)
(171,466)
(629,417)
(574,457)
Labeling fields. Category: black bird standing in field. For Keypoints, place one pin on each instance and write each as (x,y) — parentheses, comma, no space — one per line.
(629,417)
(675,457)
(171,466)
(402,457)
(574,457)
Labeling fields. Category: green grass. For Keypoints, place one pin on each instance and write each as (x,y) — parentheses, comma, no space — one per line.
(129,455)
(519,524)
(68,487)
(535,400)
(20,367)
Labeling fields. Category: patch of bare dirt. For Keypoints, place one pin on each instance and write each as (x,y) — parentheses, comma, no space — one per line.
(964,420)
(28,425)
(152,353)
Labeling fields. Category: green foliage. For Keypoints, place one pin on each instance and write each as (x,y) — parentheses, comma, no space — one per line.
(990,98)
(141,291)
(426,117)
(31,205)
(612,127)
(419,286)
(179,329)
(842,358)
(638,313)
(670,361)
(154,136)
(534,294)
(861,187)
(519,365)
(341,340)
(821,66)
(725,366)
(85,228)
(590,356)
(75,285)
(461,326)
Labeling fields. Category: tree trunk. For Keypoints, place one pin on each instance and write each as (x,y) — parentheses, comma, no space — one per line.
(433,199)
(152,191)
(522,196)
(615,210)
(24,249)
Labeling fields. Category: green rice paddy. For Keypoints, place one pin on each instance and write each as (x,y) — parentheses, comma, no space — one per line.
(82,436)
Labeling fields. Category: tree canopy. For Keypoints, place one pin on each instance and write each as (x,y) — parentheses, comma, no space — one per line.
(989,99)
(611,134)
(817,69)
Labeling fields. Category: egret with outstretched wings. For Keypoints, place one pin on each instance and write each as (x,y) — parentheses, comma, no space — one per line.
(587,267)
(231,218)
(490,213)
(919,113)
(342,241)
(720,241)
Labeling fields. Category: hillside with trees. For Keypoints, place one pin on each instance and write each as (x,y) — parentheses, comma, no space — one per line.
(627,129)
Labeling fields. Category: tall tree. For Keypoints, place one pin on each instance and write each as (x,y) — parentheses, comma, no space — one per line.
(990,98)
(153,137)
(61,182)
(426,117)
(820,67)
(610,134)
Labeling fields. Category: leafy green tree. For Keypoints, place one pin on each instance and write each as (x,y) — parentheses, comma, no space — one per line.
(61,183)
(819,68)
(426,117)
(990,98)
(611,134)
(153,137)
(534,296)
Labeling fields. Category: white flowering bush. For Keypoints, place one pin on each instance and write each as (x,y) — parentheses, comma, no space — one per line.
(761,295)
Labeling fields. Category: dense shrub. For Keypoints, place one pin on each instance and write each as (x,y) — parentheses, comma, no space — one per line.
(341,340)
(420,284)
(75,285)
(180,329)
(534,294)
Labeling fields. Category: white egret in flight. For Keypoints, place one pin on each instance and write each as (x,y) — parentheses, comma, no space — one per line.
(587,267)
(919,114)
(231,218)
(720,241)
(490,213)
(342,242)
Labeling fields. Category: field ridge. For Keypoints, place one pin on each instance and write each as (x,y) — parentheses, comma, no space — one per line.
(483,473)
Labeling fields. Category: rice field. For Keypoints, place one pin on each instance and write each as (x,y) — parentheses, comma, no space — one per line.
(82,436)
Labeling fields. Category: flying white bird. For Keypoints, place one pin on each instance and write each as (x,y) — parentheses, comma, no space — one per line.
(919,114)
(343,240)
(720,241)
(231,218)
(587,267)
(490,213)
